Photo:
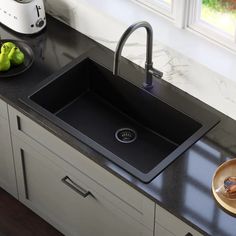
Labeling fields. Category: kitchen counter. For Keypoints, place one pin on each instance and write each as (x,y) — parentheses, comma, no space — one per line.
(184,188)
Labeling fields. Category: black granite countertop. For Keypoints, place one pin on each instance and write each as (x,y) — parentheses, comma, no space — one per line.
(184,188)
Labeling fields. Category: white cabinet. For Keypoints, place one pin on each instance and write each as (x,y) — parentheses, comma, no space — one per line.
(76,195)
(70,200)
(7,170)
(70,191)
(168,225)
(160,231)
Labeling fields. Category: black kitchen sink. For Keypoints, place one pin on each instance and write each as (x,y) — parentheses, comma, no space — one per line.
(128,125)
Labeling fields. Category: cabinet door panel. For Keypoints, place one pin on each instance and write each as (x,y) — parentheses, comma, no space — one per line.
(7,170)
(173,224)
(3,110)
(41,187)
(160,231)
(141,207)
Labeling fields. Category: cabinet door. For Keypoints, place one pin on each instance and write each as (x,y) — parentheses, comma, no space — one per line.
(27,130)
(160,231)
(7,170)
(70,200)
(171,225)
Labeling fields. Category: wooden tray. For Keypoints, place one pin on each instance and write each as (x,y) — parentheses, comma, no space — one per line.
(225,170)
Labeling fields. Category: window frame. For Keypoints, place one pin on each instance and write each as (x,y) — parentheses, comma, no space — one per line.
(185,14)
(197,25)
(160,8)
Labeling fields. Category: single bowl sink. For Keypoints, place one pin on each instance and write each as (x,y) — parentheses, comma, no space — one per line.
(129,126)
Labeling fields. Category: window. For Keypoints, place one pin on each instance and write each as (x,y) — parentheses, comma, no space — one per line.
(164,7)
(220,14)
(215,19)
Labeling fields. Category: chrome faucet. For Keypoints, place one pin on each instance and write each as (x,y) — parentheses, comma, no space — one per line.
(149,70)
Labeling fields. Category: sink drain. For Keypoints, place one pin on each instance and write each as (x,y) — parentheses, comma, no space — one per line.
(126,135)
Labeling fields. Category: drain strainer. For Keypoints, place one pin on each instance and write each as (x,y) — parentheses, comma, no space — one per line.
(126,135)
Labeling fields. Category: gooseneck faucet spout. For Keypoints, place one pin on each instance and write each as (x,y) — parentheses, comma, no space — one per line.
(149,70)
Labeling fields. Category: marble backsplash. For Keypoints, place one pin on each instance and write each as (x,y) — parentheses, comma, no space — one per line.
(182,72)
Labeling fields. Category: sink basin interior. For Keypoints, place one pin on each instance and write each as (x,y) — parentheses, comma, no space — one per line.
(92,104)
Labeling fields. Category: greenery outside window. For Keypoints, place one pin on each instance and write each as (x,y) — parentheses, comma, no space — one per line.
(220,14)
(214,19)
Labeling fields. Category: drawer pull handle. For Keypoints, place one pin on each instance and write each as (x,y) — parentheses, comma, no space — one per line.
(188,234)
(18,122)
(24,174)
(74,186)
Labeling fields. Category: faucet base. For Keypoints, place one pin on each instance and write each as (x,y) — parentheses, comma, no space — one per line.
(147,86)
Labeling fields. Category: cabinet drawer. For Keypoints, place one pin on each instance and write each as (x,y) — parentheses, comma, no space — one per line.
(30,131)
(68,199)
(173,224)
(3,110)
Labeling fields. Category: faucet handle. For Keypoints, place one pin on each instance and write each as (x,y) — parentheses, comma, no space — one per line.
(156,73)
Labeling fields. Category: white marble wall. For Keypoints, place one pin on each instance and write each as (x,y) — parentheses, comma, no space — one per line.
(179,70)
